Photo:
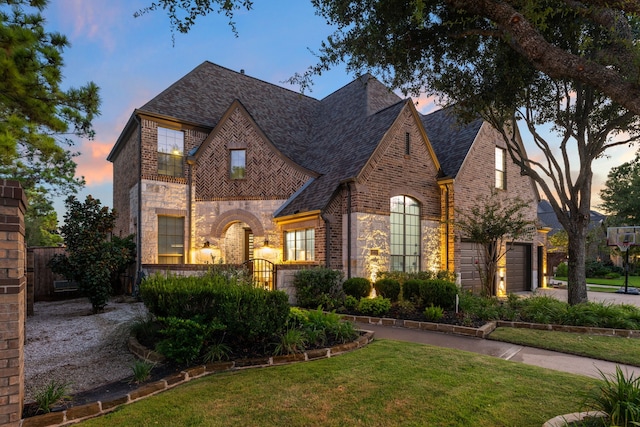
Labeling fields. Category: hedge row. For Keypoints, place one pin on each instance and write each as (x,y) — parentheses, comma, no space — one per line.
(246,314)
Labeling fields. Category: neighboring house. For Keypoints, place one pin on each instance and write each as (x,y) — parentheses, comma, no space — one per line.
(596,245)
(223,167)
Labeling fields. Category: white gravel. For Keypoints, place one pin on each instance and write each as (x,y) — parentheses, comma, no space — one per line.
(66,342)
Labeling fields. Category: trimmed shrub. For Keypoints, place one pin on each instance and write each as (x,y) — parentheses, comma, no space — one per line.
(438,292)
(411,289)
(378,306)
(358,287)
(403,276)
(350,303)
(388,288)
(250,316)
(319,287)
(183,338)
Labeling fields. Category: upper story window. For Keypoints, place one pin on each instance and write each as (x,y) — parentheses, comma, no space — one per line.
(238,167)
(501,168)
(405,234)
(299,245)
(170,152)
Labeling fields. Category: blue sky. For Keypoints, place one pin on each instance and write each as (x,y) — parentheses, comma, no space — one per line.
(133,59)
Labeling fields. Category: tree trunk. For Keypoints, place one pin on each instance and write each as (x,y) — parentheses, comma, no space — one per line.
(577,280)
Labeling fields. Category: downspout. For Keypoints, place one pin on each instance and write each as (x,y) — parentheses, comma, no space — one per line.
(327,241)
(190,163)
(447,225)
(349,194)
(139,273)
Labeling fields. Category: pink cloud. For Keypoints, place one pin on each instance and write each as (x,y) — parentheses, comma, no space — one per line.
(426,104)
(93,164)
(91,20)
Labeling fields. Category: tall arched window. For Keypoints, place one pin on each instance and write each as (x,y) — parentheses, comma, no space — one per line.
(405,234)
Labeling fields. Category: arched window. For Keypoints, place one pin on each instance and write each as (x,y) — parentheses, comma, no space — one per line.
(405,234)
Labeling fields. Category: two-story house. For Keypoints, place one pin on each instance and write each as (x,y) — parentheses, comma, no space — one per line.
(223,167)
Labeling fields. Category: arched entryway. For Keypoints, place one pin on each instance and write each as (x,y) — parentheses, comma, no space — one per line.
(237,243)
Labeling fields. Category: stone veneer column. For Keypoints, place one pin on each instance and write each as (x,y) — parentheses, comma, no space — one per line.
(13,283)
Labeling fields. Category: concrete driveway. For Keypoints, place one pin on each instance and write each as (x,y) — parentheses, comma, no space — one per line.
(605,297)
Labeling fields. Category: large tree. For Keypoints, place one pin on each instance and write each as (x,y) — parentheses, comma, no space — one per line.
(526,27)
(39,119)
(621,194)
(568,64)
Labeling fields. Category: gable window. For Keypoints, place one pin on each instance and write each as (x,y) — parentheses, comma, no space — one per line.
(501,168)
(238,167)
(299,245)
(405,234)
(170,240)
(170,152)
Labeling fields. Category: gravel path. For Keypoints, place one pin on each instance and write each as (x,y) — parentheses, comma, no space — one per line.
(65,342)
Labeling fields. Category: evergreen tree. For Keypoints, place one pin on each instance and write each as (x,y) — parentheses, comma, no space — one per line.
(38,118)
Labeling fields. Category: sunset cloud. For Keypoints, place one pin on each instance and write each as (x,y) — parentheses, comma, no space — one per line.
(91,20)
(93,164)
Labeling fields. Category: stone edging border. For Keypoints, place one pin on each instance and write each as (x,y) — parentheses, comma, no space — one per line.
(486,329)
(76,414)
(481,332)
(575,417)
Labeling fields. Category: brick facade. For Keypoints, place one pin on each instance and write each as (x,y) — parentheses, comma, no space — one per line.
(13,283)
(269,175)
(477,178)
(294,177)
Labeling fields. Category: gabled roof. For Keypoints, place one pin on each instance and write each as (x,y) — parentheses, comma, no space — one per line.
(450,139)
(333,137)
(204,95)
(548,217)
(346,150)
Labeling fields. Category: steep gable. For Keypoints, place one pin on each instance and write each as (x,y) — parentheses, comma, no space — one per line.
(269,174)
(204,95)
(450,139)
(346,150)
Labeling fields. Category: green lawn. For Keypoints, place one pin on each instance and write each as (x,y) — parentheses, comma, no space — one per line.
(387,383)
(614,349)
(633,281)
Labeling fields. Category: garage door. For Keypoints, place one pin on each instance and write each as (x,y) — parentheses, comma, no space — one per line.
(468,266)
(519,268)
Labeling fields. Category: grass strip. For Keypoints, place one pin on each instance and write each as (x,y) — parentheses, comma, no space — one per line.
(610,348)
(388,383)
(633,281)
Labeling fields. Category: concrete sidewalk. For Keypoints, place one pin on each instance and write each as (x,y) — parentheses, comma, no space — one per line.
(515,353)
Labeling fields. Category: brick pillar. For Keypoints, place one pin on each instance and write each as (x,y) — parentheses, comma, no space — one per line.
(13,283)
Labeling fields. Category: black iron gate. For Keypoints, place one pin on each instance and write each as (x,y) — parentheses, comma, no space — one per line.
(263,273)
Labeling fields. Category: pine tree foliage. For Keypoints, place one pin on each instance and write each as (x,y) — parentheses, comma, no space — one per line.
(39,118)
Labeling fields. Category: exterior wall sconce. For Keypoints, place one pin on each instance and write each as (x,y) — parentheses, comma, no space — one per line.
(206,245)
(266,242)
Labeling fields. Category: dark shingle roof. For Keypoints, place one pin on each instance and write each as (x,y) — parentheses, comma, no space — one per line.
(450,140)
(548,217)
(333,137)
(347,149)
(205,94)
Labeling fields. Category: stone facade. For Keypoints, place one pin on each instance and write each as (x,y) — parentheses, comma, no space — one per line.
(13,285)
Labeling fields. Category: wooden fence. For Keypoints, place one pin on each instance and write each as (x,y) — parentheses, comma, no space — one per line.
(40,278)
